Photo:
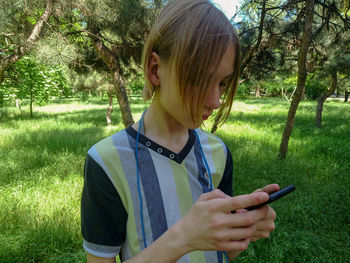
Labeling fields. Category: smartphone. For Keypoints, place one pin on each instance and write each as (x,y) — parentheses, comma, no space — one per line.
(273,197)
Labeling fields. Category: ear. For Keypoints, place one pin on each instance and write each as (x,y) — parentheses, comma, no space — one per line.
(153,69)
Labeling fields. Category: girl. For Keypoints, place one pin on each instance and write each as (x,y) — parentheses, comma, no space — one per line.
(149,189)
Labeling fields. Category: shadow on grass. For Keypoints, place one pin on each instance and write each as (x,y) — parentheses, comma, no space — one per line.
(94,116)
(44,154)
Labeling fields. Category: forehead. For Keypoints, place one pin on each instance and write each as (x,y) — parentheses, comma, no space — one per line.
(226,64)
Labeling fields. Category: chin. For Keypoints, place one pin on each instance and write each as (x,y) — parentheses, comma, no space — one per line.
(193,126)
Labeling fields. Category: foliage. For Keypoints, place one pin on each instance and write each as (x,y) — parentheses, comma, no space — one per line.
(279,86)
(27,78)
(270,33)
(136,85)
(315,86)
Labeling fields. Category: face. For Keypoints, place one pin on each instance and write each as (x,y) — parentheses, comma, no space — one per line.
(171,103)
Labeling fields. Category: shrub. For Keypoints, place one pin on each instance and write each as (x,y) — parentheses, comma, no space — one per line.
(314,88)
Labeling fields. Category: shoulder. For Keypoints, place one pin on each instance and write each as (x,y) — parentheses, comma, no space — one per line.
(211,141)
(110,147)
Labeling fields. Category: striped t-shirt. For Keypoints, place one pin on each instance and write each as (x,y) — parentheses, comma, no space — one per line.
(170,183)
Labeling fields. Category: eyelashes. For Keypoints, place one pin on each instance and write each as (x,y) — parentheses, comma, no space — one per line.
(222,86)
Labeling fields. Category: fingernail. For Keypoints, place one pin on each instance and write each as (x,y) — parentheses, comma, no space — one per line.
(263,196)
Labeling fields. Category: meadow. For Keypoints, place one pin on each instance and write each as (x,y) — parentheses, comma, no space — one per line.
(41,177)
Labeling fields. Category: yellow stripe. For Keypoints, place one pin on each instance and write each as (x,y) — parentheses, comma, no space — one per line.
(218,155)
(183,190)
(197,256)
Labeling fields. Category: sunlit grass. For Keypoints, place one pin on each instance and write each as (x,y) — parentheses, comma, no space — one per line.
(41,169)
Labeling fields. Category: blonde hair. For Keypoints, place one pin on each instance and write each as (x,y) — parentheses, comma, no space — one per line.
(192,37)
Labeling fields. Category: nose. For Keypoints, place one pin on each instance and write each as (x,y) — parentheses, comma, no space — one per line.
(213,98)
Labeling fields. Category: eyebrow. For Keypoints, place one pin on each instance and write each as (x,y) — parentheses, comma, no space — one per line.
(228,76)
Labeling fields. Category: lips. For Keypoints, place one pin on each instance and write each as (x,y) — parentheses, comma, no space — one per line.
(205,117)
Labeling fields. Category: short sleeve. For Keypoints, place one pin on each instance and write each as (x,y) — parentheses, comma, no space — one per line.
(226,183)
(103,216)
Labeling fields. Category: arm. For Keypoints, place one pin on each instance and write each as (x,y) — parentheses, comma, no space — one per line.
(209,225)
(93,259)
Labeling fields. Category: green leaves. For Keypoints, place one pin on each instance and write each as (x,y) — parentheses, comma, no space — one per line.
(27,77)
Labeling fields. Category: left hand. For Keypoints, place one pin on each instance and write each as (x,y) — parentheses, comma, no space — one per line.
(267,224)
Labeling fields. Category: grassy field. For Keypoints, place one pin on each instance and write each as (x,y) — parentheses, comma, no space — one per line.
(41,168)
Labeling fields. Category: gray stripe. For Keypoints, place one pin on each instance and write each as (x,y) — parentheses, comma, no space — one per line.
(168,190)
(101,249)
(204,171)
(207,150)
(126,254)
(192,173)
(152,192)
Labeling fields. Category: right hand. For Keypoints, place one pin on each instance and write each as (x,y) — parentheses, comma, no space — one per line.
(209,224)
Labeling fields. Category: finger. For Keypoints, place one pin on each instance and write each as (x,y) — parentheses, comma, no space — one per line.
(265,225)
(270,188)
(237,233)
(271,213)
(217,193)
(261,234)
(243,201)
(242,219)
(235,245)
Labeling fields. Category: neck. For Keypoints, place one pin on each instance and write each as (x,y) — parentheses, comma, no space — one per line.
(163,128)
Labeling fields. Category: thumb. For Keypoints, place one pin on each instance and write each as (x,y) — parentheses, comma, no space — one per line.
(241,211)
(217,193)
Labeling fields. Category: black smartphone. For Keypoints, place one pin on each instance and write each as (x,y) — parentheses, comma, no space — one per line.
(273,197)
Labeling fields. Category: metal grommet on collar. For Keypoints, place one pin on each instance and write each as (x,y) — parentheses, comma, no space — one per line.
(159,150)
(148,144)
(172,156)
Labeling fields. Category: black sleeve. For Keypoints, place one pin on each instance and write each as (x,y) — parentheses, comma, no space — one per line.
(226,183)
(103,216)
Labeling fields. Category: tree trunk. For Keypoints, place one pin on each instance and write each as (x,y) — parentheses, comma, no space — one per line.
(250,54)
(108,57)
(309,12)
(110,108)
(323,98)
(257,91)
(346,96)
(20,51)
(31,106)
(337,94)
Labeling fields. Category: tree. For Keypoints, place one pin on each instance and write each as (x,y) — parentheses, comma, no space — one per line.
(338,64)
(28,79)
(11,43)
(117,30)
(276,34)
(302,73)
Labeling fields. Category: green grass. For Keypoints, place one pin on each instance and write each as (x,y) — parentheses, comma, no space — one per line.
(41,168)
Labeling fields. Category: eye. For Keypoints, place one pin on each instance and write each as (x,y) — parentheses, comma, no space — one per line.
(222,86)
